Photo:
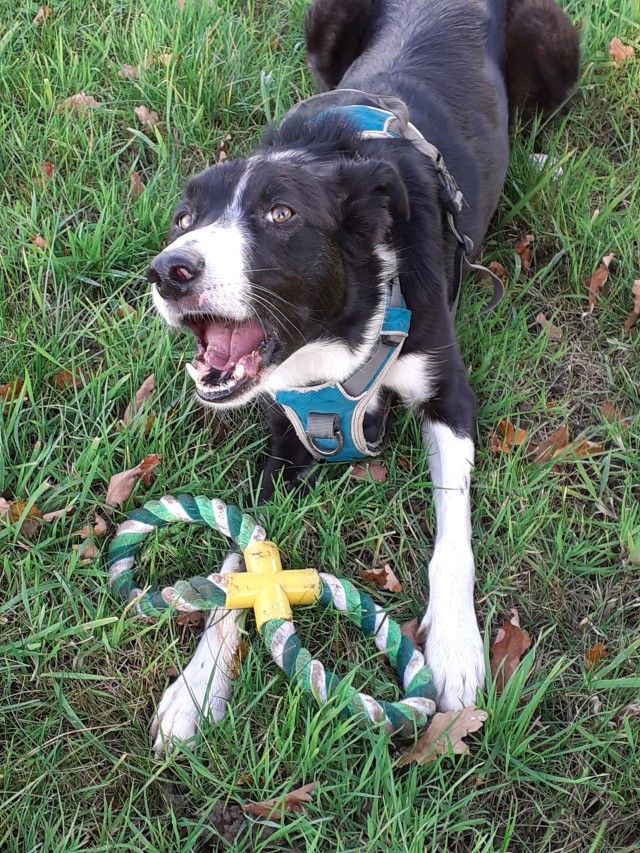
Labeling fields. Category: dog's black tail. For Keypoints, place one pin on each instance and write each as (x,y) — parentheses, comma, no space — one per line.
(542,55)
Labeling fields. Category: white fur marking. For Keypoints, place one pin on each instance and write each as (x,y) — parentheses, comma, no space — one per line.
(412,377)
(453,646)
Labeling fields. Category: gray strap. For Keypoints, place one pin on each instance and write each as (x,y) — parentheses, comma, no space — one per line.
(321,426)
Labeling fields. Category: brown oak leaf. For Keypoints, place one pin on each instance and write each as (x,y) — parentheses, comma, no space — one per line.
(136,186)
(620,52)
(552,445)
(383,578)
(506,438)
(555,334)
(510,644)
(523,248)
(293,801)
(148,118)
(635,311)
(598,280)
(363,470)
(121,485)
(80,104)
(445,735)
(593,657)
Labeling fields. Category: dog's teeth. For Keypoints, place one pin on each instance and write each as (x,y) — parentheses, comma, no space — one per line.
(193,372)
(239,372)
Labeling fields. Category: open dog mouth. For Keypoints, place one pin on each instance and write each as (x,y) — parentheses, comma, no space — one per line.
(230,356)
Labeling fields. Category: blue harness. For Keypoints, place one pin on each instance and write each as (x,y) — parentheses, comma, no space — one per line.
(329,418)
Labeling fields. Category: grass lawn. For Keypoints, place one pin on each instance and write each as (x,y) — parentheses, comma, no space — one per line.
(556,765)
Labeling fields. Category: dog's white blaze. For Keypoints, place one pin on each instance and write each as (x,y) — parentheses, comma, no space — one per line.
(453,646)
(412,377)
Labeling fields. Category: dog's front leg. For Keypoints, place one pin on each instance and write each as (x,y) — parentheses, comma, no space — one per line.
(453,645)
(288,457)
(202,689)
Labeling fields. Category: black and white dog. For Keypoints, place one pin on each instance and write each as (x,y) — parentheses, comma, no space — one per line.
(280,265)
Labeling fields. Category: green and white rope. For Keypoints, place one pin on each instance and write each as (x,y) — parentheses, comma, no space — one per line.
(402,718)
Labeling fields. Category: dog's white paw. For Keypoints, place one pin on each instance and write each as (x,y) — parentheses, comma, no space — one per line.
(454,654)
(193,696)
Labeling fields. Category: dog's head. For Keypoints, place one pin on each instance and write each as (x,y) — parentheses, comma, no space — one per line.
(277,265)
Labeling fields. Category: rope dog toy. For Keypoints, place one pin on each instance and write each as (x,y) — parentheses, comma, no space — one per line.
(270,591)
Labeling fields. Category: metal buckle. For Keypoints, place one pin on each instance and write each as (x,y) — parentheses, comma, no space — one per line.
(337,437)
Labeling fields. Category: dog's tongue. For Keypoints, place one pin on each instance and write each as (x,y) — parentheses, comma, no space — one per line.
(226,345)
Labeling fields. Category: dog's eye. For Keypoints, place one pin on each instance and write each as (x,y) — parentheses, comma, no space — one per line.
(279,213)
(184,221)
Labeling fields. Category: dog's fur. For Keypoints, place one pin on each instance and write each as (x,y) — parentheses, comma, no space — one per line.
(306,294)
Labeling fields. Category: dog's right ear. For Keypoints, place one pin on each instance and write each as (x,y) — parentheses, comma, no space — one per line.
(373,195)
(334,31)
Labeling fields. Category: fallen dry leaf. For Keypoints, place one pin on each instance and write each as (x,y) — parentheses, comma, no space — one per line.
(598,280)
(80,105)
(129,72)
(87,551)
(41,15)
(171,672)
(635,311)
(552,445)
(614,415)
(581,448)
(620,52)
(555,334)
(136,186)
(142,395)
(593,657)
(444,735)
(523,248)
(48,169)
(239,657)
(148,118)
(56,513)
(124,311)
(375,470)
(38,241)
(98,528)
(383,578)
(68,379)
(412,631)
(497,269)
(510,644)
(508,436)
(10,390)
(191,619)
(164,58)
(293,801)
(121,485)
(31,521)
(5,506)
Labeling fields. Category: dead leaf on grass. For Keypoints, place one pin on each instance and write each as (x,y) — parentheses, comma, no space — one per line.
(614,415)
(376,470)
(10,390)
(80,104)
(87,551)
(121,485)
(68,379)
(38,241)
(124,311)
(31,521)
(148,118)
(97,529)
(552,445)
(597,280)
(444,735)
(413,632)
(580,449)
(56,513)
(4,506)
(555,334)
(635,311)
(142,395)
(507,437)
(41,15)
(620,52)
(523,248)
(129,72)
(191,619)
(136,186)
(593,657)
(510,644)
(293,801)
(383,578)
(497,269)
(48,169)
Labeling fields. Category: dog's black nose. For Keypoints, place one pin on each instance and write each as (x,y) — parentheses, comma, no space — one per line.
(175,273)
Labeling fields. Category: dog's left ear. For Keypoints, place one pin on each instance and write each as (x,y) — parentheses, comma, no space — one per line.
(373,195)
